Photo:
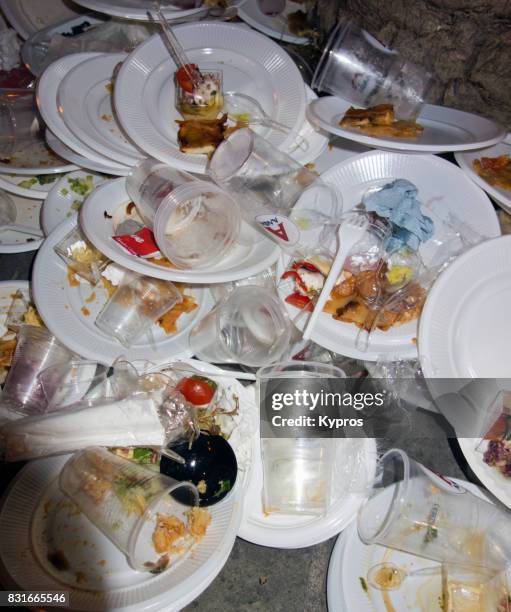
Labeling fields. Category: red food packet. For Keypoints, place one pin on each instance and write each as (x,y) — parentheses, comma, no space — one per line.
(141,244)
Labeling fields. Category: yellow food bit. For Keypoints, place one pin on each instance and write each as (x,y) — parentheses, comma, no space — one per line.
(398,275)
(31,317)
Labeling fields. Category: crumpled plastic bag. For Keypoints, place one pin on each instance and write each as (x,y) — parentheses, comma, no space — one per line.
(110,37)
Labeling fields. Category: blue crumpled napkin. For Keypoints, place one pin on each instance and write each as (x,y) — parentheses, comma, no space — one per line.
(398,203)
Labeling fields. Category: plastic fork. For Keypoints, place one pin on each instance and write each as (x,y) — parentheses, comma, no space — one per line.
(349,233)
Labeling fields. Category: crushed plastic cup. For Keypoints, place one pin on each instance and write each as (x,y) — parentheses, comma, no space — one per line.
(426,514)
(270,187)
(138,302)
(357,68)
(249,326)
(124,501)
(196,225)
(64,384)
(36,350)
(150,182)
(81,256)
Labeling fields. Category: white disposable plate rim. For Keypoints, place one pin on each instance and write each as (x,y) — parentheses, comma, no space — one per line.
(313,114)
(25,192)
(205,575)
(92,213)
(82,162)
(102,6)
(464,163)
(127,101)
(5,169)
(405,349)
(335,599)
(46,96)
(25,247)
(98,68)
(430,370)
(177,344)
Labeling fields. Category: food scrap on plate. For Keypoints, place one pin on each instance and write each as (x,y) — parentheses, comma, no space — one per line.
(380,121)
(495,170)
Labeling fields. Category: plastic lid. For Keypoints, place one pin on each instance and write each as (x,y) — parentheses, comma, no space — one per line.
(230,156)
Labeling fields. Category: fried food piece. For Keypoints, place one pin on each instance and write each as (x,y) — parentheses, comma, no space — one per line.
(495,170)
(168,530)
(382,114)
(199,519)
(380,121)
(169,320)
(7,348)
(399,129)
(201,136)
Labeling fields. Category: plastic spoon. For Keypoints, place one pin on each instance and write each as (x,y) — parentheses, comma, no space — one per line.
(8,218)
(238,106)
(174,46)
(392,576)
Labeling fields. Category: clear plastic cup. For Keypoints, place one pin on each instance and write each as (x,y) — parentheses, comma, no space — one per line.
(268,185)
(138,302)
(297,475)
(357,68)
(81,256)
(36,350)
(196,225)
(66,383)
(250,327)
(428,515)
(123,500)
(19,124)
(150,182)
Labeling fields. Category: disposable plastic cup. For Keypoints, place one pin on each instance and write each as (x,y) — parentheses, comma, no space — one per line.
(36,350)
(150,182)
(66,383)
(428,515)
(357,68)
(81,256)
(249,326)
(196,225)
(296,475)
(268,185)
(19,125)
(123,500)
(138,302)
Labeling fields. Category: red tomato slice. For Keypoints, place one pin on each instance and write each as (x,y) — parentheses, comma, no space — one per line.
(198,390)
(299,301)
(183,78)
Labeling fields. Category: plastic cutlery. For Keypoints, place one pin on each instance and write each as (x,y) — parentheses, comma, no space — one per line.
(350,232)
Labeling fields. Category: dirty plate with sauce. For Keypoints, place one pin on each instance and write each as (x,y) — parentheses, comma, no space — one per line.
(110,205)
(46,543)
(69,306)
(348,587)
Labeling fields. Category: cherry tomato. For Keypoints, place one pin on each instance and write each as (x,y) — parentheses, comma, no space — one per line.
(183,78)
(198,390)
